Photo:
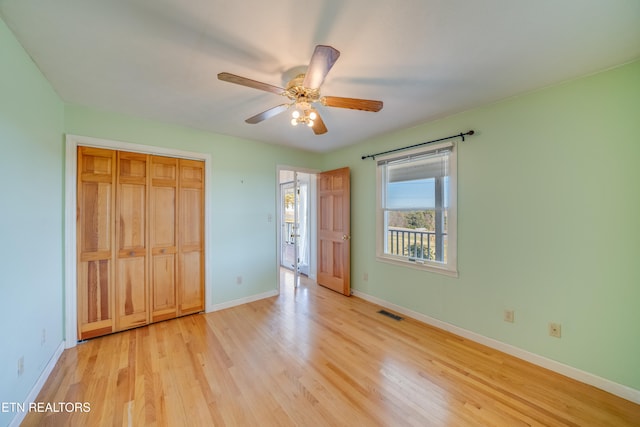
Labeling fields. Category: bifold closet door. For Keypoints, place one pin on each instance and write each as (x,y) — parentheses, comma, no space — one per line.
(132,285)
(140,239)
(164,247)
(96,186)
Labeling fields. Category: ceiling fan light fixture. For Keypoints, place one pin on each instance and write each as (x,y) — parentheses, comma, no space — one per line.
(302,88)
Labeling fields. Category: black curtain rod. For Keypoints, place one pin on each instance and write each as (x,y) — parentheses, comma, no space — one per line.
(460,135)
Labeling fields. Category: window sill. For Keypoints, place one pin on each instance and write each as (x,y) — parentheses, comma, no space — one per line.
(418,265)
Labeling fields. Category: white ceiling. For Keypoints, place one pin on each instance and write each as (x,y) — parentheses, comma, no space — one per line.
(425,59)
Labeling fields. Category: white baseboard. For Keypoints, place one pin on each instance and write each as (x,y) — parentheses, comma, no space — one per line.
(240,301)
(35,390)
(620,390)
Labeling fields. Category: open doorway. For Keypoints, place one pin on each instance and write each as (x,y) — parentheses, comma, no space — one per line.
(297,222)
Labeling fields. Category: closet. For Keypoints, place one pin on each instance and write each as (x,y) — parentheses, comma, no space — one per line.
(140,239)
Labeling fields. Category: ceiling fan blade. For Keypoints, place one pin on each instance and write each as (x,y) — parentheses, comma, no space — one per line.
(271,112)
(318,125)
(321,62)
(243,81)
(352,103)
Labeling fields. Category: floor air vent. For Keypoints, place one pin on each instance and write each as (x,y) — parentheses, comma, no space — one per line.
(391,315)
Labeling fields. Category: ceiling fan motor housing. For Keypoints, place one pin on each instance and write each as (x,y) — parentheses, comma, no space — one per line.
(300,94)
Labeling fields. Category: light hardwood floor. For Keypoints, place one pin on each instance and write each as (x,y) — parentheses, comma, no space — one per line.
(312,357)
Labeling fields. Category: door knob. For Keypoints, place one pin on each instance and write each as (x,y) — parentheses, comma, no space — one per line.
(346,237)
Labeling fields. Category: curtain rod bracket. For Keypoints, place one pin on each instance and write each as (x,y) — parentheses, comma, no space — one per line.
(461,135)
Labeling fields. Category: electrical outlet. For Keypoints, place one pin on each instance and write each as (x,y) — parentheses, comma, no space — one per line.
(555,330)
(509,316)
(43,338)
(21,366)
(239,280)
(365,277)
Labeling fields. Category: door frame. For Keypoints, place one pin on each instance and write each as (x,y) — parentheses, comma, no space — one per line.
(70,206)
(312,218)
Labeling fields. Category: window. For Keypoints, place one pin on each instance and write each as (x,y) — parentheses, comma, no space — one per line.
(416,215)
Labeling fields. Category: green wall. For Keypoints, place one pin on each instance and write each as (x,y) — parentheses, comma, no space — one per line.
(548,224)
(31,170)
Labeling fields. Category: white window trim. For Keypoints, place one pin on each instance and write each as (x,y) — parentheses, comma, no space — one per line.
(451,268)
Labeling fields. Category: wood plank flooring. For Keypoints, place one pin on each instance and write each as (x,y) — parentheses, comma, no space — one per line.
(312,357)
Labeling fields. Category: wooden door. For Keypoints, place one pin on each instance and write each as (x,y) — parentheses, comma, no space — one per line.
(163,237)
(131,237)
(334,230)
(95,245)
(191,237)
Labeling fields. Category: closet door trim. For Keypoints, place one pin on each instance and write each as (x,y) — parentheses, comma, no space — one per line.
(72,144)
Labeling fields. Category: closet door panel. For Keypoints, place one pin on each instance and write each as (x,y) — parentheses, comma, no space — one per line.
(164,287)
(132,225)
(95,244)
(95,223)
(131,296)
(163,217)
(96,164)
(94,300)
(191,279)
(131,289)
(163,204)
(191,232)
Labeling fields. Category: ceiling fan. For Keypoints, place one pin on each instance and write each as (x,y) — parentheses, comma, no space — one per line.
(303,91)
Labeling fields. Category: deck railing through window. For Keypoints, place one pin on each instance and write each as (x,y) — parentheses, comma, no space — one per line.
(418,244)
